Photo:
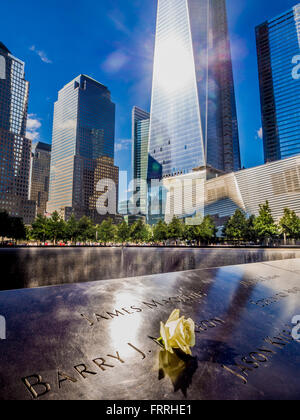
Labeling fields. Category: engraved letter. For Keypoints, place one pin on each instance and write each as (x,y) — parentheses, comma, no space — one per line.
(136,349)
(82,369)
(88,320)
(45,387)
(152,305)
(100,365)
(65,378)
(116,357)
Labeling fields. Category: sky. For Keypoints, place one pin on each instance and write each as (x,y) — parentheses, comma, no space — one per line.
(113,42)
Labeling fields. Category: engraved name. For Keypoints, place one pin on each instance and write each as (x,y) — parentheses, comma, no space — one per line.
(96,317)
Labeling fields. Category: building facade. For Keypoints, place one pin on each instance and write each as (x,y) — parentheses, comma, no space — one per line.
(140,146)
(83,132)
(193,111)
(15,148)
(278,49)
(39,176)
(278,182)
(104,170)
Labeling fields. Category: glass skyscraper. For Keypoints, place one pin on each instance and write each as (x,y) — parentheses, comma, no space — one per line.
(15,148)
(40,175)
(140,144)
(278,48)
(193,111)
(83,131)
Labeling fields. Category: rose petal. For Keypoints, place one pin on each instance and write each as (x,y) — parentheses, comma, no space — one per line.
(174,316)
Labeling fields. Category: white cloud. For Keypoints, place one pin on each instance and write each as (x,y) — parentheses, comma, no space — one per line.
(118,20)
(41,54)
(122,145)
(260,133)
(33,126)
(115,61)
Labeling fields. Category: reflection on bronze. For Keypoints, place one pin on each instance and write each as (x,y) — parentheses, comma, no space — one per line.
(179,367)
(260,356)
(252,346)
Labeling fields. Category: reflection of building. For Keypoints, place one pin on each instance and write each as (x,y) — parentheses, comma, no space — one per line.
(123,207)
(140,141)
(278,182)
(83,131)
(104,170)
(278,44)
(40,173)
(193,112)
(15,148)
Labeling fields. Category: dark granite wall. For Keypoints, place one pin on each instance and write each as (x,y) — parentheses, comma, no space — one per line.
(33,267)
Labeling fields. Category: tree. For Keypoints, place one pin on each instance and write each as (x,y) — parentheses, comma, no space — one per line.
(107,231)
(236,227)
(56,228)
(140,232)
(40,229)
(175,229)
(17,228)
(290,224)
(123,232)
(264,225)
(72,229)
(4,224)
(207,230)
(250,235)
(86,229)
(189,232)
(160,232)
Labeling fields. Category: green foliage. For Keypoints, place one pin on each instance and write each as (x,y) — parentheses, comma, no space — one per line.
(107,231)
(140,232)
(290,224)
(56,228)
(123,232)
(205,232)
(236,227)
(72,229)
(176,229)
(160,232)
(250,235)
(264,225)
(39,230)
(208,230)
(86,230)
(189,232)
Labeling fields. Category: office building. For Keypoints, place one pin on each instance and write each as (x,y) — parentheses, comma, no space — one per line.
(83,132)
(15,148)
(140,144)
(278,50)
(193,111)
(104,170)
(39,176)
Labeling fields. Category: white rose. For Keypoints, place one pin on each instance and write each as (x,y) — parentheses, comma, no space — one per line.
(178,333)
